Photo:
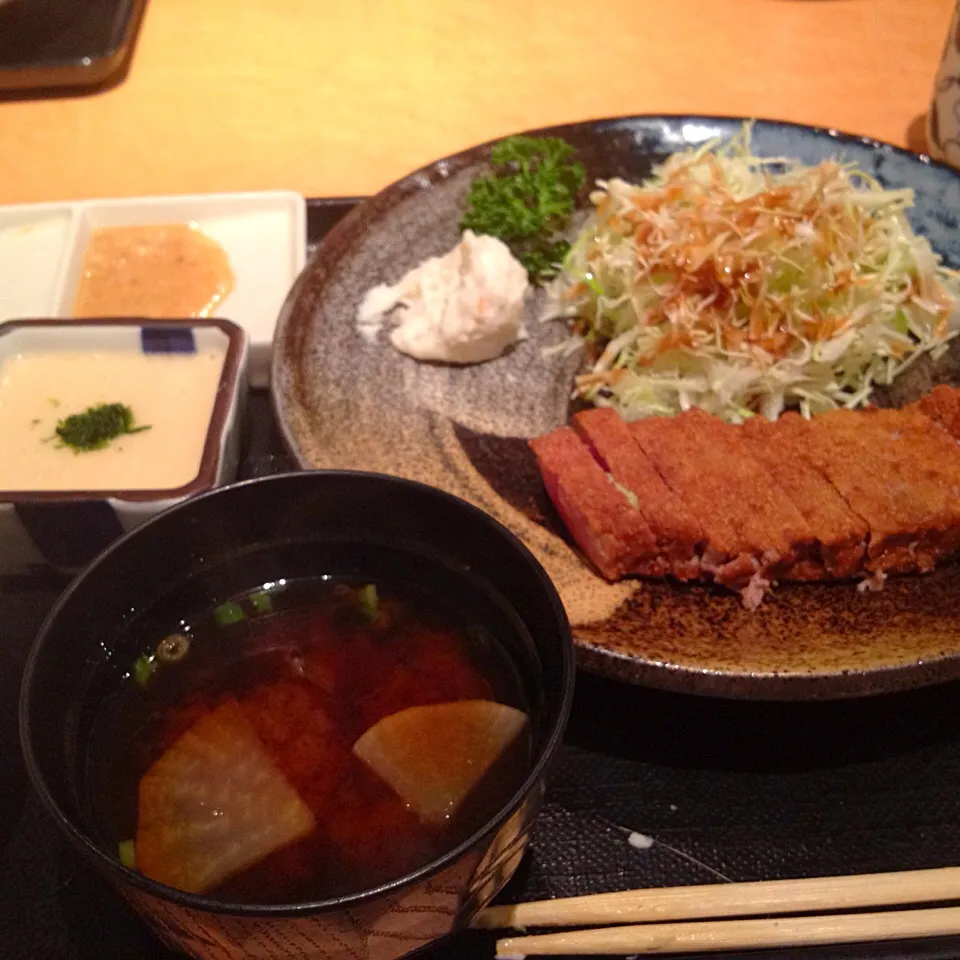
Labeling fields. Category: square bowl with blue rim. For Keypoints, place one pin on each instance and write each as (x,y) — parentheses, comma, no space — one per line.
(104,423)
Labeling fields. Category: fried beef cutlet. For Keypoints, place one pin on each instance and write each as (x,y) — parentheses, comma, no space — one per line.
(847,493)
(761,511)
(830,444)
(607,527)
(922,464)
(841,533)
(695,472)
(942,406)
(680,538)
(848,451)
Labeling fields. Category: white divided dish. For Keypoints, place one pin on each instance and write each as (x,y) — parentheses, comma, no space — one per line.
(263,234)
(33,242)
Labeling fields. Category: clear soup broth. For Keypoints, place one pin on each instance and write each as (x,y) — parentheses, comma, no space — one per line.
(226,757)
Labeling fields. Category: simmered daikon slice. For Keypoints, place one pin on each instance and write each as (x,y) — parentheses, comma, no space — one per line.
(433,756)
(214,804)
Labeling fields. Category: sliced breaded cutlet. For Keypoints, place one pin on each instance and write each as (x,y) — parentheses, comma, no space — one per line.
(922,465)
(695,469)
(606,526)
(680,537)
(762,512)
(942,406)
(841,533)
(847,448)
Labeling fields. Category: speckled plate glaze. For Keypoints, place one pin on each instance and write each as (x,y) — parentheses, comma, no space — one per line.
(344,403)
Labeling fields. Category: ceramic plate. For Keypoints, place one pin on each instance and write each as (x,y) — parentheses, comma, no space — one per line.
(342,402)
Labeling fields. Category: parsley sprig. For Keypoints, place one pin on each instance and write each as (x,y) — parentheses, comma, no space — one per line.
(527,200)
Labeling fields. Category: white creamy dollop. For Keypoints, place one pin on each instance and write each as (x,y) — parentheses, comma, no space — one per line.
(463,307)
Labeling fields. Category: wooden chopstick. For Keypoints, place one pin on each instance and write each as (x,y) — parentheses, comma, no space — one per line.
(738,934)
(756,898)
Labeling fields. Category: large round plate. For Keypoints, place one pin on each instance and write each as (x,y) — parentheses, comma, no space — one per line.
(342,402)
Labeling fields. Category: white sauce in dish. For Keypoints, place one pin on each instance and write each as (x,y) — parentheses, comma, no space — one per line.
(463,307)
(172,393)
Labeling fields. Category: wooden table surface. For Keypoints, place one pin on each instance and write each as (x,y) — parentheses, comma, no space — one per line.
(342,97)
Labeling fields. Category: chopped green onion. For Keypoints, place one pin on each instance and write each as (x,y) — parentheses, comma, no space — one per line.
(369,601)
(143,669)
(261,602)
(127,853)
(173,648)
(228,613)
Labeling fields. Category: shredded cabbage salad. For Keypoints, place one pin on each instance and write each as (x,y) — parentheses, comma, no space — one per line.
(745,285)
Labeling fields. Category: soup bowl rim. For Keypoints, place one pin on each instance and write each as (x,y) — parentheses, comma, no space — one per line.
(114,869)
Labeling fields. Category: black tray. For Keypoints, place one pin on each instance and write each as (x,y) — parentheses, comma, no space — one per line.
(728,790)
(65,46)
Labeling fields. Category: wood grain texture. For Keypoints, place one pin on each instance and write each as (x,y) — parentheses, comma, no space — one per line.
(343,98)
